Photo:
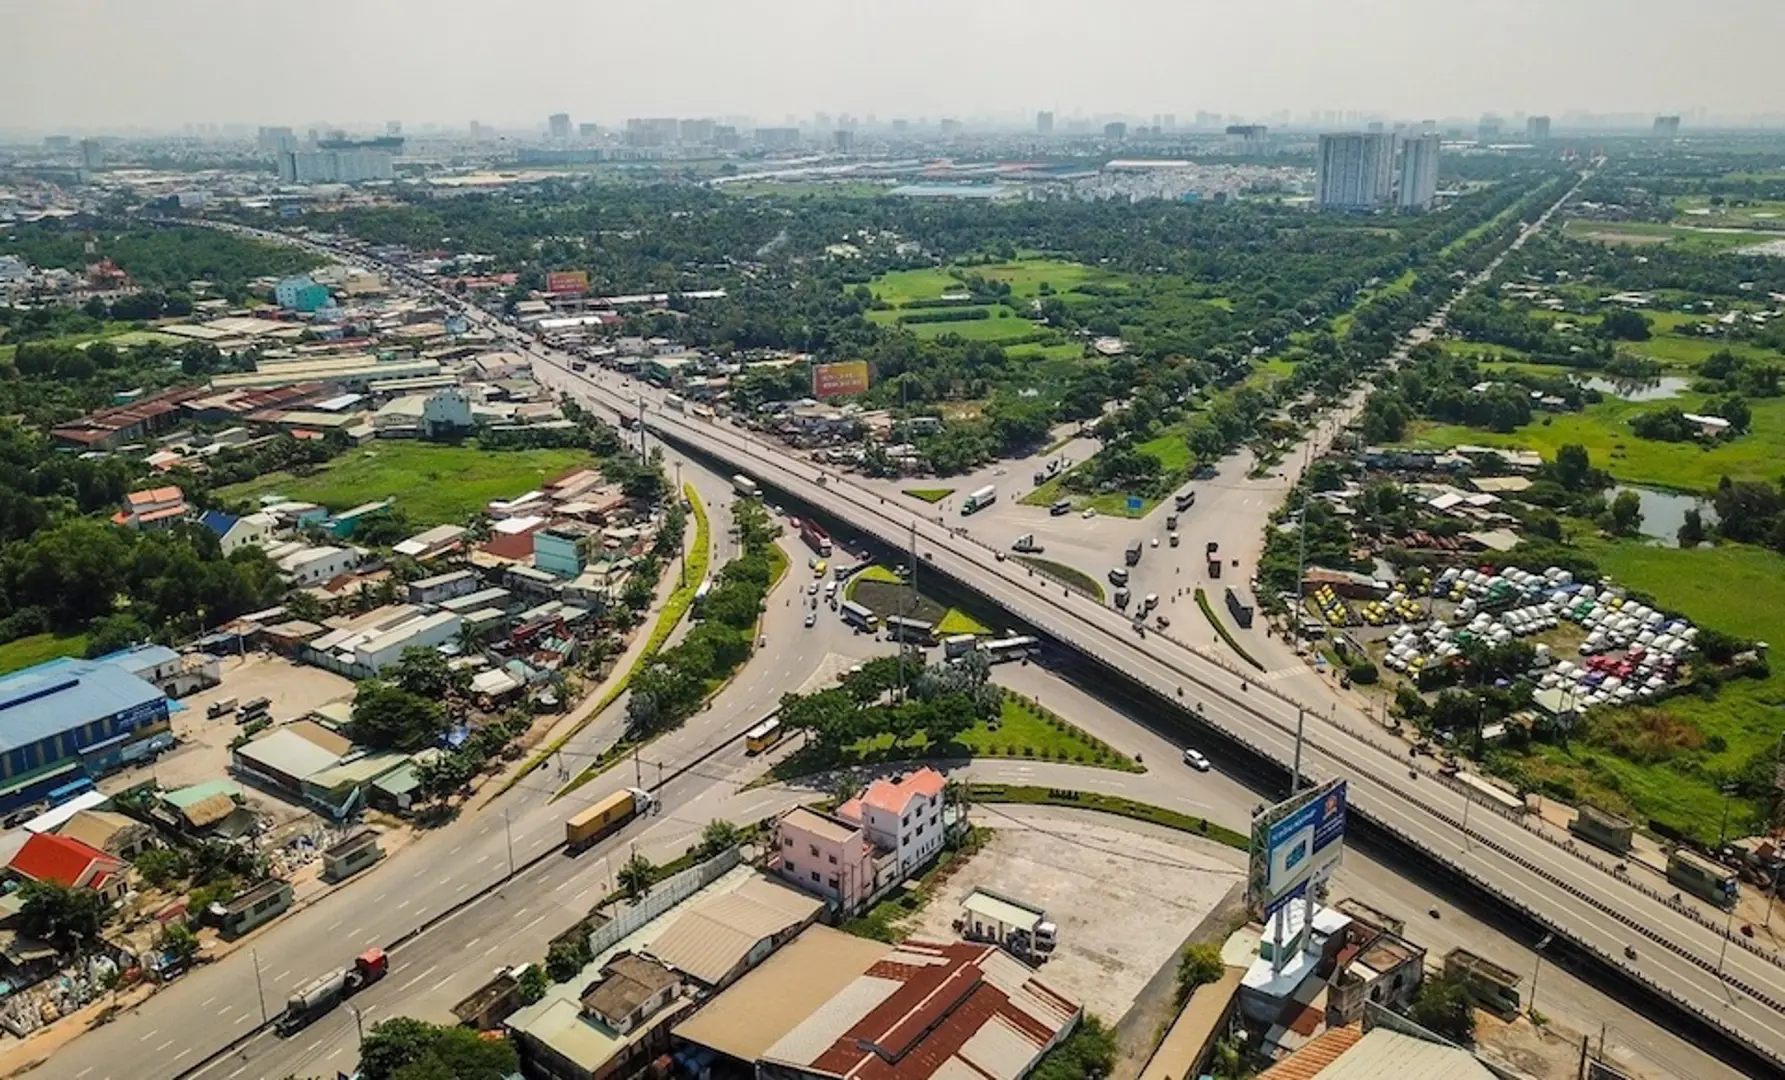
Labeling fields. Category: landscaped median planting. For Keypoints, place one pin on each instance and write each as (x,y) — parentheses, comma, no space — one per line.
(1202,601)
(1108,804)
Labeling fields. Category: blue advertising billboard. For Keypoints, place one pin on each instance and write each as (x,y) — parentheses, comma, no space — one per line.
(1295,843)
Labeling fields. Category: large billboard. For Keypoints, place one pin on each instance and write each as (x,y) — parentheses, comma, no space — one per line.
(1295,844)
(840,380)
(567,281)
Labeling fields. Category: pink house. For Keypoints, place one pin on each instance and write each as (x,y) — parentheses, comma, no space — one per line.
(827,856)
(868,846)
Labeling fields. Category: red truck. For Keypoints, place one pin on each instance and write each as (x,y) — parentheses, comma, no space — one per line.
(815,537)
(318,997)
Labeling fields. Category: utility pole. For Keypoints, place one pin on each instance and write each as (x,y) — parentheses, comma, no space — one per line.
(508,835)
(1542,944)
(259,990)
(638,770)
(905,603)
(680,495)
(1295,775)
(359,1024)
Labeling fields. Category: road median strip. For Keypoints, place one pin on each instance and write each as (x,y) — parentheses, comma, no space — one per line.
(1202,601)
(1033,795)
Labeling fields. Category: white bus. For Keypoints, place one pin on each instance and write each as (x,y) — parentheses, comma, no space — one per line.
(745,486)
(1010,648)
(979,500)
(857,615)
(676,402)
(763,736)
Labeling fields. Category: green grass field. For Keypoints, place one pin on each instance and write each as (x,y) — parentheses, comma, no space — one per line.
(1026,276)
(900,287)
(1733,588)
(1605,431)
(1169,447)
(27,651)
(432,484)
(929,495)
(1637,233)
(959,622)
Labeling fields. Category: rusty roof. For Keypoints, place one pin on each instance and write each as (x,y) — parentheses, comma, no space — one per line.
(928,1009)
(1323,1050)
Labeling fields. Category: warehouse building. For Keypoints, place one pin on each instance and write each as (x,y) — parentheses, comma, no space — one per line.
(66,721)
(830,1005)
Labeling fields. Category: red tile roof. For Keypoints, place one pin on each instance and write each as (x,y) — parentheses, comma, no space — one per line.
(894,796)
(1306,1063)
(153,496)
(63,860)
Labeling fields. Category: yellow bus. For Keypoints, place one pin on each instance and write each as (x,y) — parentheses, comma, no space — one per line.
(763,736)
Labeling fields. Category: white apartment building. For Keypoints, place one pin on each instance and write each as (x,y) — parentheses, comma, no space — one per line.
(1355,171)
(1418,186)
(903,816)
(334,166)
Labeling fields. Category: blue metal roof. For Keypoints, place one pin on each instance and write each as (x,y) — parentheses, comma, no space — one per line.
(218,522)
(46,700)
(139,657)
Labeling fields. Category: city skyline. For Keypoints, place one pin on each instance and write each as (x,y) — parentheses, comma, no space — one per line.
(185,62)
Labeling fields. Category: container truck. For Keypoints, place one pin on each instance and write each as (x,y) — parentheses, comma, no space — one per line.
(745,486)
(979,500)
(594,822)
(316,998)
(815,537)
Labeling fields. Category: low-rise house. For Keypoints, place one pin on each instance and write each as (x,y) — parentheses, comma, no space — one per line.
(608,1022)
(108,831)
(239,532)
(432,543)
(351,855)
(65,861)
(157,508)
(252,907)
(441,587)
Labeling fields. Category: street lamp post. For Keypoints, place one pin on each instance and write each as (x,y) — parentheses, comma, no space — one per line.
(259,991)
(1542,944)
(508,837)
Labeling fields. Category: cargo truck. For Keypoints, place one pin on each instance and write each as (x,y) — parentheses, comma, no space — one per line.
(1132,554)
(594,822)
(745,486)
(316,998)
(979,500)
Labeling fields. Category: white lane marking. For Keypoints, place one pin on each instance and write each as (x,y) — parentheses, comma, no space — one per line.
(83,1072)
(418,978)
(402,905)
(336,923)
(473,941)
(164,1046)
(183,1053)
(281,976)
(147,1035)
(238,1072)
(207,1001)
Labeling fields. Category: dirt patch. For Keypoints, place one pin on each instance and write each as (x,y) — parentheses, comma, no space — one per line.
(1124,897)
(884,598)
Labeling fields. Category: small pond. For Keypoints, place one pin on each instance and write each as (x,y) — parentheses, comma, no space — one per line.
(1656,389)
(1663,512)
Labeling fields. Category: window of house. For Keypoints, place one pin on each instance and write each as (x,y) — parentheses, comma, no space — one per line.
(920,830)
(814,848)
(832,882)
(792,869)
(814,875)
(788,842)
(906,820)
(833,860)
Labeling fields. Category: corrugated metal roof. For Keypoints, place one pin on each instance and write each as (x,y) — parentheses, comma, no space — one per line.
(745,1020)
(287,753)
(186,796)
(1383,1052)
(49,699)
(716,935)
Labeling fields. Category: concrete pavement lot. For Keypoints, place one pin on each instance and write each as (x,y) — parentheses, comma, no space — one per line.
(1123,900)
(203,753)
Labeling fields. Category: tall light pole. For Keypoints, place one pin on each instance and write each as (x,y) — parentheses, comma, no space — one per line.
(259,991)
(508,836)
(1542,944)
(680,495)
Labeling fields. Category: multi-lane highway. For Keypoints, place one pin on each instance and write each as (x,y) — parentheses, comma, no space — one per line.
(1732,987)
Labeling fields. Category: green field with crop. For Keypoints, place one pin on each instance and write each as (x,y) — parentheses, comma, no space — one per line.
(1733,588)
(1604,429)
(432,484)
(29,651)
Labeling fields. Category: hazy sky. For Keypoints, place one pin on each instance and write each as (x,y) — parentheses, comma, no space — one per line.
(99,63)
